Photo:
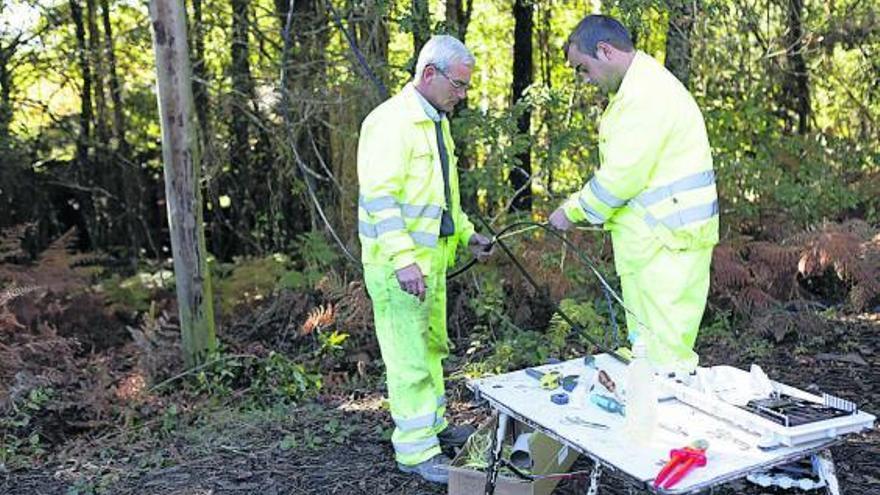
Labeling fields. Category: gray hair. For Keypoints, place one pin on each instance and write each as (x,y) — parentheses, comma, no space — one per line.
(442,51)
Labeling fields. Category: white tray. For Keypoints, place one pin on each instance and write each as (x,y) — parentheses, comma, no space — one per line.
(772,433)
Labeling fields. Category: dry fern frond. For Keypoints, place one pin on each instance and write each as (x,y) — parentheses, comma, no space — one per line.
(772,254)
(752,299)
(157,340)
(319,318)
(8,321)
(354,311)
(57,255)
(781,323)
(774,268)
(332,286)
(729,273)
(859,228)
(866,287)
(11,239)
(838,250)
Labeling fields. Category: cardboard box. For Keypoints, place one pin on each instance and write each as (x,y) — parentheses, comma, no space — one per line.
(548,456)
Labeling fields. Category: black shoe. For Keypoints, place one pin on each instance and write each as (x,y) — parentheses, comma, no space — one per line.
(455,436)
(435,469)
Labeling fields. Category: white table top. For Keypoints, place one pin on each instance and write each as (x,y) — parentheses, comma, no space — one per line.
(732,451)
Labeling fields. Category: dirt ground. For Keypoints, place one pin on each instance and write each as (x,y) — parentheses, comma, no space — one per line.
(338,444)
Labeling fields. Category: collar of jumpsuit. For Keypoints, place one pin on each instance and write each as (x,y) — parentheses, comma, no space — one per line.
(432,113)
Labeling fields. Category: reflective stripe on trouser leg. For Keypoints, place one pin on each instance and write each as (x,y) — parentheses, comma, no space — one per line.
(412,358)
(668,294)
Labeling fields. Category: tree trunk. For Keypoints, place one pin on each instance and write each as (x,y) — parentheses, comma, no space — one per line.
(102,132)
(106,232)
(546,49)
(797,83)
(128,174)
(181,155)
(242,91)
(520,177)
(84,135)
(6,53)
(678,38)
(421,27)
(458,17)
(119,127)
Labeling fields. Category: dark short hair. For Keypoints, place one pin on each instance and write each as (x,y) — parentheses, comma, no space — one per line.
(595,28)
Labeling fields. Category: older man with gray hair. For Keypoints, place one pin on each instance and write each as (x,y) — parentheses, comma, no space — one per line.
(410,223)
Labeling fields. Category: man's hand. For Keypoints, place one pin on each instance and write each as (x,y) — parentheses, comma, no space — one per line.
(412,281)
(559,221)
(480,247)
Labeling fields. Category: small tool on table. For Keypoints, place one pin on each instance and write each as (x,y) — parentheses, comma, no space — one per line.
(609,404)
(553,379)
(681,462)
(576,421)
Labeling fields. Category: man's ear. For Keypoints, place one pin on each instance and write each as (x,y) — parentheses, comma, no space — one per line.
(428,73)
(604,51)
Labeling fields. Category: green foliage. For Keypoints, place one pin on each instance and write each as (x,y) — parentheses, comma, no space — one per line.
(331,344)
(170,419)
(489,303)
(807,179)
(248,280)
(136,292)
(584,314)
(495,142)
(516,348)
(20,441)
(279,378)
(719,326)
(275,378)
(316,256)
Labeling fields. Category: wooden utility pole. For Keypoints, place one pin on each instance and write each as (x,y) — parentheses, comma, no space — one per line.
(182,156)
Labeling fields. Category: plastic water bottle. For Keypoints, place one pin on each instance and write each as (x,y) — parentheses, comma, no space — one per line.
(641,396)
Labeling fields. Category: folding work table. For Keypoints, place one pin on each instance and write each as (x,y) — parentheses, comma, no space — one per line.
(733,451)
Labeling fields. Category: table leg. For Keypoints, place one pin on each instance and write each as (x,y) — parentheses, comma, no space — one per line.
(824,465)
(495,454)
(595,473)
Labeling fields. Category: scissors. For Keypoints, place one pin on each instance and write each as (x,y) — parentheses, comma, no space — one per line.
(576,421)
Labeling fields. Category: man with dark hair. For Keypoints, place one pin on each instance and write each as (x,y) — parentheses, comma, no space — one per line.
(654,190)
(595,28)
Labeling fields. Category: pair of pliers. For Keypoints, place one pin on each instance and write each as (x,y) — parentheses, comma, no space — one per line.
(681,462)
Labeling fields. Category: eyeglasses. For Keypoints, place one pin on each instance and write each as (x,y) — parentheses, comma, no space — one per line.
(454,82)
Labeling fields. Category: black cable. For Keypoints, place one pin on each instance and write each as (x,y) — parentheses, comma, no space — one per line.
(467,266)
(496,238)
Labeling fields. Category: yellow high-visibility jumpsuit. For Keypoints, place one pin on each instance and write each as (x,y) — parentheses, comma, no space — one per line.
(655,192)
(402,199)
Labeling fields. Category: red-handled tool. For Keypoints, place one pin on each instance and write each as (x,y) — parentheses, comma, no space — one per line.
(681,462)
